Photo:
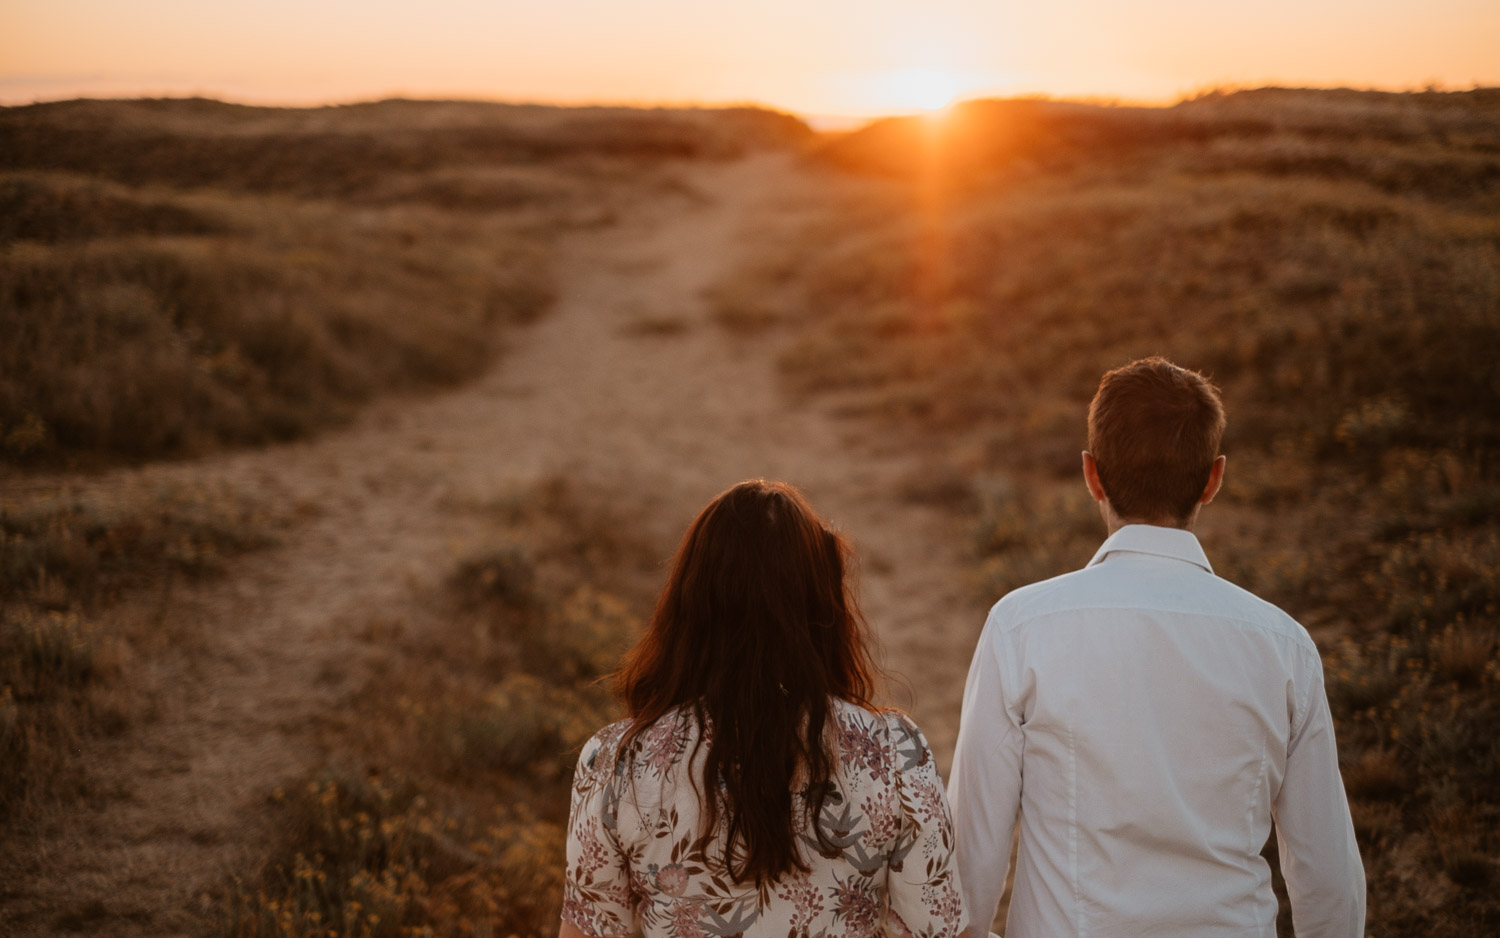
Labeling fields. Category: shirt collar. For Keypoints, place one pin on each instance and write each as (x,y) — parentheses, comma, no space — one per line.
(1174,543)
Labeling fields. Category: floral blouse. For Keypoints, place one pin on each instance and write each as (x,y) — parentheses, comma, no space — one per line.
(635,856)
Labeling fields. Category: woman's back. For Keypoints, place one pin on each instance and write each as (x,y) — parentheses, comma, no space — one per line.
(755,789)
(636,853)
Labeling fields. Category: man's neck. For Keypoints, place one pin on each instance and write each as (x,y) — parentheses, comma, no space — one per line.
(1113,522)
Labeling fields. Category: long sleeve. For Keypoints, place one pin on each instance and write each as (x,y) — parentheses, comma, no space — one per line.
(924,893)
(1320,861)
(597,898)
(985,786)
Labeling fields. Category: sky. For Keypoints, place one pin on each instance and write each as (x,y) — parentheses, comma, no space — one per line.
(837,57)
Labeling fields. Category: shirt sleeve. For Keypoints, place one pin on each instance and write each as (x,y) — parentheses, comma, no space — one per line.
(1325,879)
(924,893)
(596,886)
(985,785)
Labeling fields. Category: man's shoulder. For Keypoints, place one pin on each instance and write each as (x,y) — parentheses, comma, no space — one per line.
(1033,600)
(1099,589)
(1229,600)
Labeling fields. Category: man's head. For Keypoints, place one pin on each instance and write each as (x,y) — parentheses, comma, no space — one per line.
(1154,432)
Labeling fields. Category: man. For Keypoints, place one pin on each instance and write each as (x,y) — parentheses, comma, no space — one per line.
(1147,720)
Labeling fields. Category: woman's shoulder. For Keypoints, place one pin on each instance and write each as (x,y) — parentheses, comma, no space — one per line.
(603,748)
(887,730)
(886,720)
(655,747)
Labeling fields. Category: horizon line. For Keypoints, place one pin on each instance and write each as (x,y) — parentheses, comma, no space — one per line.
(271,102)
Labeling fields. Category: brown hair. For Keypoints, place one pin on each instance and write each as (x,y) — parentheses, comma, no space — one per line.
(755,633)
(1154,432)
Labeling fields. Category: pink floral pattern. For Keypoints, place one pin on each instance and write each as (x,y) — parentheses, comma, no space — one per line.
(636,857)
(805,899)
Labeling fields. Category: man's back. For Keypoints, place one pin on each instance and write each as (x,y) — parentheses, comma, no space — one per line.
(1158,716)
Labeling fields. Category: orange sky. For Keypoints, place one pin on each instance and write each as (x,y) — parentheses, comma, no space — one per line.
(834,57)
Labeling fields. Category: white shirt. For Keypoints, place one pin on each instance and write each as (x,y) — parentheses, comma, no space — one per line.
(1149,721)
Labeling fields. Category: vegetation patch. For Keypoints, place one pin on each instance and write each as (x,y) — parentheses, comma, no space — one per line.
(453,821)
(134,344)
(65,561)
(178,276)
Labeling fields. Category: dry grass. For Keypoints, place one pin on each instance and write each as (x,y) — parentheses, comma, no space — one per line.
(65,561)
(69,552)
(353,152)
(1433,145)
(1029,532)
(1331,259)
(452,824)
(136,342)
(181,275)
(440,808)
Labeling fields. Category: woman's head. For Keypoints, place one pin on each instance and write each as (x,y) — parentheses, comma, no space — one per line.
(755,601)
(756,630)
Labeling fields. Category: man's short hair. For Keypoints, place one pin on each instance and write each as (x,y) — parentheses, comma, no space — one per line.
(1154,432)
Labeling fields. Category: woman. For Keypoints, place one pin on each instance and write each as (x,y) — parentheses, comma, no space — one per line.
(754,788)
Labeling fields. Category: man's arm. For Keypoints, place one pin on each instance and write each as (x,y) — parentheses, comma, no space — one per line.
(985,787)
(1325,878)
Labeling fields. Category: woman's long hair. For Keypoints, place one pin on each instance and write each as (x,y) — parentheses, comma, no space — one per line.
(755,633)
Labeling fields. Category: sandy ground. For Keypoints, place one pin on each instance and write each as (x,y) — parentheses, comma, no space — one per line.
(663,418)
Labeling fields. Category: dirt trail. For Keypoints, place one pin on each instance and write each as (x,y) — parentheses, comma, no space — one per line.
(668,416)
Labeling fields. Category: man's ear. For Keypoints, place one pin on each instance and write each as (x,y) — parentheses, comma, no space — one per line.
(1215,479)
(1091,476)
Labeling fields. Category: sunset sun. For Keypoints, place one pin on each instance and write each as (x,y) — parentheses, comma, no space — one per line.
(924,89)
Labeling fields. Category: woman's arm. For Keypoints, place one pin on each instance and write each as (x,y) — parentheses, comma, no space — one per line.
(923,889)
(597,900)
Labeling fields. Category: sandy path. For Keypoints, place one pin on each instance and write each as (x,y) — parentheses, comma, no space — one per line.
(667,417)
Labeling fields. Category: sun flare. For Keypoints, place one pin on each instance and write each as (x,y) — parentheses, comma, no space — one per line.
(919,89)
